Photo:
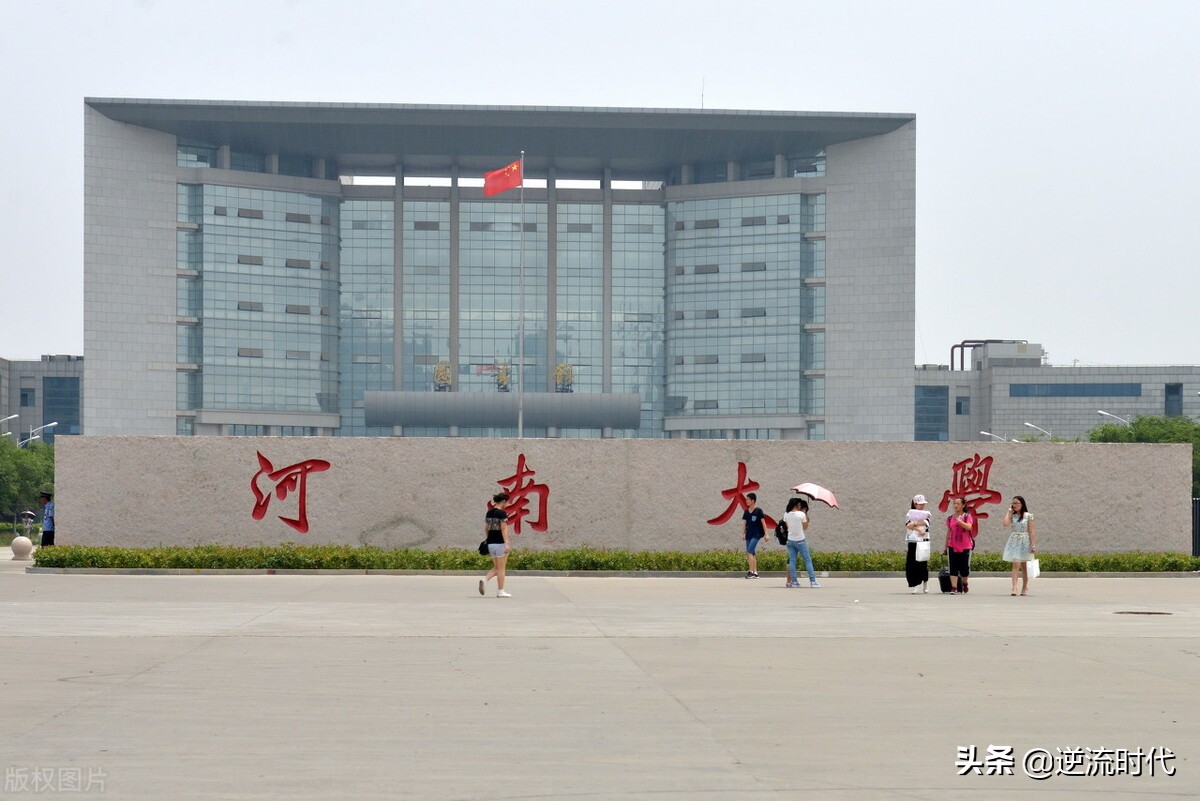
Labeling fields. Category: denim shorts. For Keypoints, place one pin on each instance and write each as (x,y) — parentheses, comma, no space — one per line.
(496,550)
(752,544)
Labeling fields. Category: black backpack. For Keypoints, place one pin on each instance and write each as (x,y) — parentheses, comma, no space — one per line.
(781,532)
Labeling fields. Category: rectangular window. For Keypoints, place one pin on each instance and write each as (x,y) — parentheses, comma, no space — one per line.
(639,317)
(185,426)
(707,269)
(1074,390)
(711,314)
(220,211)
(292,216)
(249,305)
(706,359)
(701,405)
(1173,400)
(754,266)
(426,225)
(299,264)
(753,357)
(296,308)
(962,404)
(28,397)
(931,414)
(758,311)
(250,259)
(250,353)
(748,221)
(579,228)
(298,354)
(482,226)
(253,214)
(703,224)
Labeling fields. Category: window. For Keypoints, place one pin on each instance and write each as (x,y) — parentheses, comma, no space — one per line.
(962,404)
(754,266)
(931,414)
(1173,400)
(702,224)
(701,405)
(28,397)
(707,269)
(1074,390)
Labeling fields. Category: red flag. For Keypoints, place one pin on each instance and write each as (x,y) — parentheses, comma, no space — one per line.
(502,180)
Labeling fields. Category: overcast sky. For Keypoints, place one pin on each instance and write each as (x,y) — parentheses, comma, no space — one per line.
(1058,143)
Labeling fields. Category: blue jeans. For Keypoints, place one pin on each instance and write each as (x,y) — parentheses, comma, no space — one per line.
(801,548)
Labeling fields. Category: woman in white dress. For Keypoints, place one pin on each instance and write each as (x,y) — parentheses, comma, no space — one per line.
(1022,542)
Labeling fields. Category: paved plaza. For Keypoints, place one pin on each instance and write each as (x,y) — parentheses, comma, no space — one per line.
(415,687)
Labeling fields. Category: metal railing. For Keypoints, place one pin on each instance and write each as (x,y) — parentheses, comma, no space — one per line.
(1195,526)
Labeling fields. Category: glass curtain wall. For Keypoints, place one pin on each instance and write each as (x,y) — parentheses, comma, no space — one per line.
(367,309)
(743,282)
(638,312)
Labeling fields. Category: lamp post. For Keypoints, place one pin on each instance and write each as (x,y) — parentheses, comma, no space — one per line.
(10,417)
(25,442)
(1044,431)
(993,436)
(1113,416)
(33,431)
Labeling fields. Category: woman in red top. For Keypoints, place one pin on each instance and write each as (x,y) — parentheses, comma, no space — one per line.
(960,539)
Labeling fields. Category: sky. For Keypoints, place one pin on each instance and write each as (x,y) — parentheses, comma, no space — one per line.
(1058,164)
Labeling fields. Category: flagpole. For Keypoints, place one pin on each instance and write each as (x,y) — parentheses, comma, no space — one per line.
(521,317)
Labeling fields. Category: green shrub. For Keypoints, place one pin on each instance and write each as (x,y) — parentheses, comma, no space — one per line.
(291,556)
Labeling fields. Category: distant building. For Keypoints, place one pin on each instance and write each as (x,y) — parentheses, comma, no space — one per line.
(334,269)
(999,386)
(42,392)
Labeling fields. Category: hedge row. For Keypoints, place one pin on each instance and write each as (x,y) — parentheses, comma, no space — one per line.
(344,557)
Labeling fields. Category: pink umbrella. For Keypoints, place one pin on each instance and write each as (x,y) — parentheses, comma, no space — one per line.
(817,493)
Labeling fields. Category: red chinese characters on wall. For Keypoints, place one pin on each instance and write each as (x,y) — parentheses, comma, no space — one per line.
(736,495)
(970,482)
(520,486)
(293,478)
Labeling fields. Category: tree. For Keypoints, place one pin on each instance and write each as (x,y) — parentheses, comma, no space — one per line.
(1156,429)
(24,472)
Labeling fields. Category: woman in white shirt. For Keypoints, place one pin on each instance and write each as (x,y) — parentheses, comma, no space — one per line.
(916,572)
(797,522)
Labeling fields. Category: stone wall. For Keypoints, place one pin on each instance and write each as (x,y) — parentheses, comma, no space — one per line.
(635,494)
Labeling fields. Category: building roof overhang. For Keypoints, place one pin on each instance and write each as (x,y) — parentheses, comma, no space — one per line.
(634,143)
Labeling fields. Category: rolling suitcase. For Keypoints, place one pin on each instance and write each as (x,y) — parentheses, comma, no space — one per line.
(944,578)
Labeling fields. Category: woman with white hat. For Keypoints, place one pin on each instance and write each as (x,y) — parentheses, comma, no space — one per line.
(916,572)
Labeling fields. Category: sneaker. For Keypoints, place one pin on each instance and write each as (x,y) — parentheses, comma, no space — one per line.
(925,588)
(503,594)
(482,584)
(791,584)
(814,584)
(915,590)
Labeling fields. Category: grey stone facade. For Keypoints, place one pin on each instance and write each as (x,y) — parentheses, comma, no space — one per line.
(636,494)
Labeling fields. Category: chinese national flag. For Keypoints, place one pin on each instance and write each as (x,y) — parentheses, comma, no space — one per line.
(502,180)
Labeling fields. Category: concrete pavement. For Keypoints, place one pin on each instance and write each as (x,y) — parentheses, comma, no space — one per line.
(415,687)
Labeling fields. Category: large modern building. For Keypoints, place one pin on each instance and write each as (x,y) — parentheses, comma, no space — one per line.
(335,269)
(1005,389)
(43,398)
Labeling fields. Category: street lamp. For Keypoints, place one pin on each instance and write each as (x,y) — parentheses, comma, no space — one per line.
(993,436)
(10,417)
(33,431)
(1044,431)
(1113,416)
(24,442)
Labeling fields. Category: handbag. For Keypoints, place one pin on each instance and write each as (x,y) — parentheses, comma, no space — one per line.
(1034,568)
(483,549)
(922,554)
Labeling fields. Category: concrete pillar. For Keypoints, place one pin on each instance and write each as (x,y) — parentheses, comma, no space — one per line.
(607,286)
(454,433)
(224,157)
(318,168)
(398,282)
(732,171)
(273,163)
(551,276)
(551,432)
(606,432)
(730,433)
(780,165)
(454,315)
(685,174)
